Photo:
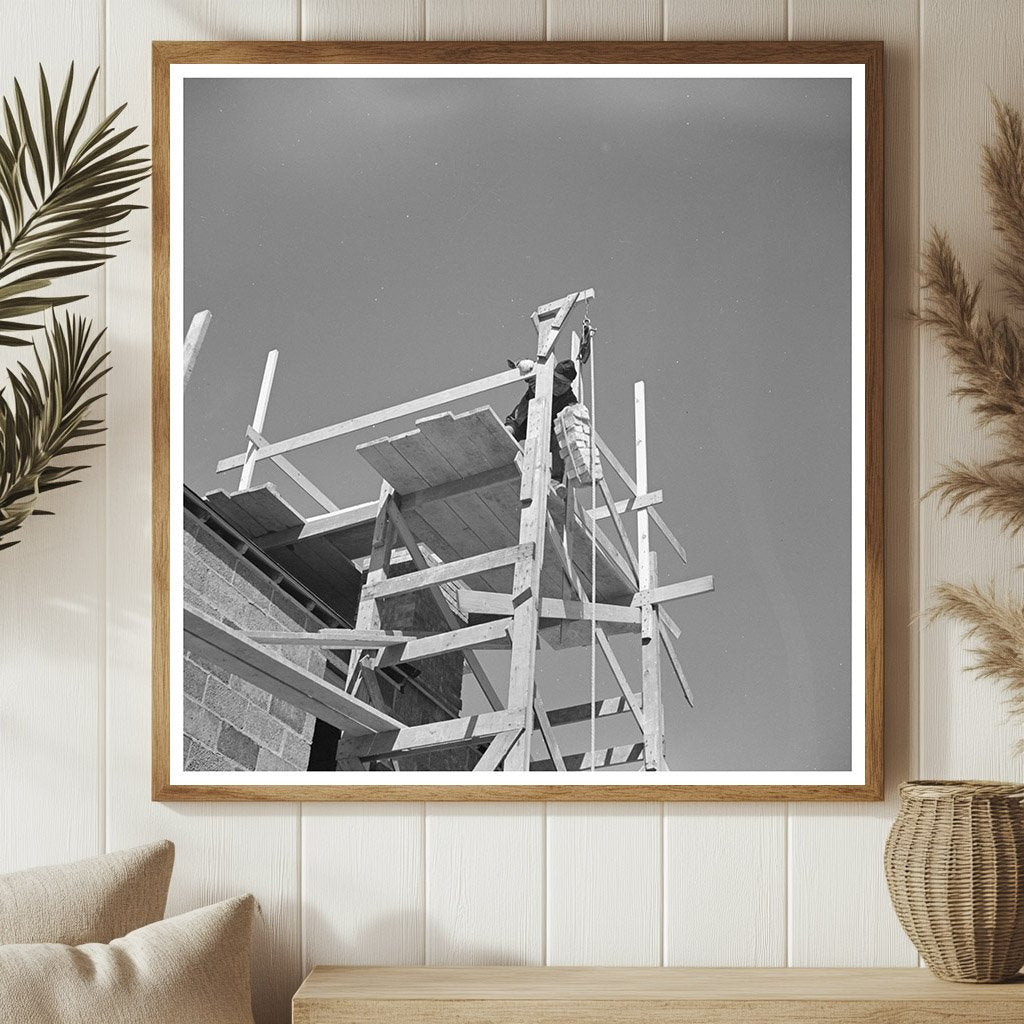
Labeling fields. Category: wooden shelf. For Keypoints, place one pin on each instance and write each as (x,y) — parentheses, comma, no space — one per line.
(628,995)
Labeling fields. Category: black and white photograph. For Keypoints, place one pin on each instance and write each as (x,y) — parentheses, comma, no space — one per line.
(518,417)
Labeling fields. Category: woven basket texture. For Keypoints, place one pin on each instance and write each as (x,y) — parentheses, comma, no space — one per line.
(954,862)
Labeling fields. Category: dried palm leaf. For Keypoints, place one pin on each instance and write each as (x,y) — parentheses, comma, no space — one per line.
(62,191)
(45,418)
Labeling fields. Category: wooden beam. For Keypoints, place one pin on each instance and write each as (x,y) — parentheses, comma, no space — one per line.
(496,750)
(194,338)
(447,734)
(453,488)
(473,729)
(526,580)
(633,504)
(381,546)
(608,758)
(258,419)
(446,571)
(673,660)
(234,652)
(289,470)
(612,460)
(628,695)
(443,643)
(547,733)
(343,519)
(405,535)
(479,602)
(620,527)
(673,591)
(374,419)
(647,572)
(338,639)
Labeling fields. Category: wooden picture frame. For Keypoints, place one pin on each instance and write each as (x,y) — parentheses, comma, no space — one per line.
(387,519)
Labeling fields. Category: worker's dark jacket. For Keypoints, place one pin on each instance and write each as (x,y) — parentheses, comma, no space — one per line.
(516,420)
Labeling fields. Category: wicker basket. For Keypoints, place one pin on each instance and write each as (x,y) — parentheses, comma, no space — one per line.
(954,861)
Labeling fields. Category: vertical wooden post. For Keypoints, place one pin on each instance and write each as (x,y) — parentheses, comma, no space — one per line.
(526,583)
(258,418)
(368,615)
(194,338)
(650,648)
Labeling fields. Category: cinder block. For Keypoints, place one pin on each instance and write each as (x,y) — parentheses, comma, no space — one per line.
(226,703)
(200,724)
(295,750)
(253,694)
(202,760)
(195,677)
(266,730)
(268,762)
(291,716)
(233,744)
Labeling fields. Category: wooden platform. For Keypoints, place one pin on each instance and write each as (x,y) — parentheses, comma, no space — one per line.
(445,450)
(319,562)
(647,995)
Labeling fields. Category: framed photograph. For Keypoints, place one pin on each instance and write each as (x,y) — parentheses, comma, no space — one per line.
(517,421)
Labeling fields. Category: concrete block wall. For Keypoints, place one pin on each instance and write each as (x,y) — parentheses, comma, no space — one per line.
(230,724)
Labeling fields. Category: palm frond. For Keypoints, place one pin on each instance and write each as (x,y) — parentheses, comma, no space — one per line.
(62,192)
(45,417)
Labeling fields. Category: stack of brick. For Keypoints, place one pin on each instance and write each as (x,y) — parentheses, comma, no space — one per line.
(572,431)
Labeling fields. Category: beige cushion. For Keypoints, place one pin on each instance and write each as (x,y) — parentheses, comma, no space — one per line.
(191,969)
(93,900)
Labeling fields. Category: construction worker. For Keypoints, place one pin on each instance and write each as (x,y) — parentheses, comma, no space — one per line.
(562,396)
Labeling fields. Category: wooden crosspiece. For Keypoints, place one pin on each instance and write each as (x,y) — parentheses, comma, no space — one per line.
(505,557)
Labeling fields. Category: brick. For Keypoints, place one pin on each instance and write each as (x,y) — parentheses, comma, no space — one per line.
(268,762)
(292,716)
(195,677)
(238,747)
(200,724)
(203,760)
(295,750)
(226,703)
(254,694)
(267,731)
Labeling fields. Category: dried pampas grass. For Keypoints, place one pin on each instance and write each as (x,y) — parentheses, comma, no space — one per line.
(987,353)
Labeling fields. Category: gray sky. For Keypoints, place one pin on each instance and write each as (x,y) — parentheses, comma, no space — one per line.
(391,238)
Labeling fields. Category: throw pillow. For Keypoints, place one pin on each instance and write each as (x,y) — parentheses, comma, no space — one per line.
(190,969)
(92,900)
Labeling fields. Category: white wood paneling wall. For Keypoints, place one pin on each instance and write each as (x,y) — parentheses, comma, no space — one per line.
(741,884)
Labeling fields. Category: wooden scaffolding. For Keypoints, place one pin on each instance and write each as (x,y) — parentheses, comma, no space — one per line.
(509,557)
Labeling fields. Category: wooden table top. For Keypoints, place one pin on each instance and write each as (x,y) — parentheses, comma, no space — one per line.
(633,984)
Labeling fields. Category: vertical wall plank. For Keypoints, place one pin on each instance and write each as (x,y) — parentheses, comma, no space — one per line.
(966,50)
(725,885)
(485,883)
(725,866)
(223,849)
(604,884)
(363,19)
(726,19)
(363,893)
(362,884)
(597,19)
(473,19)
(836,851)
(51,583)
